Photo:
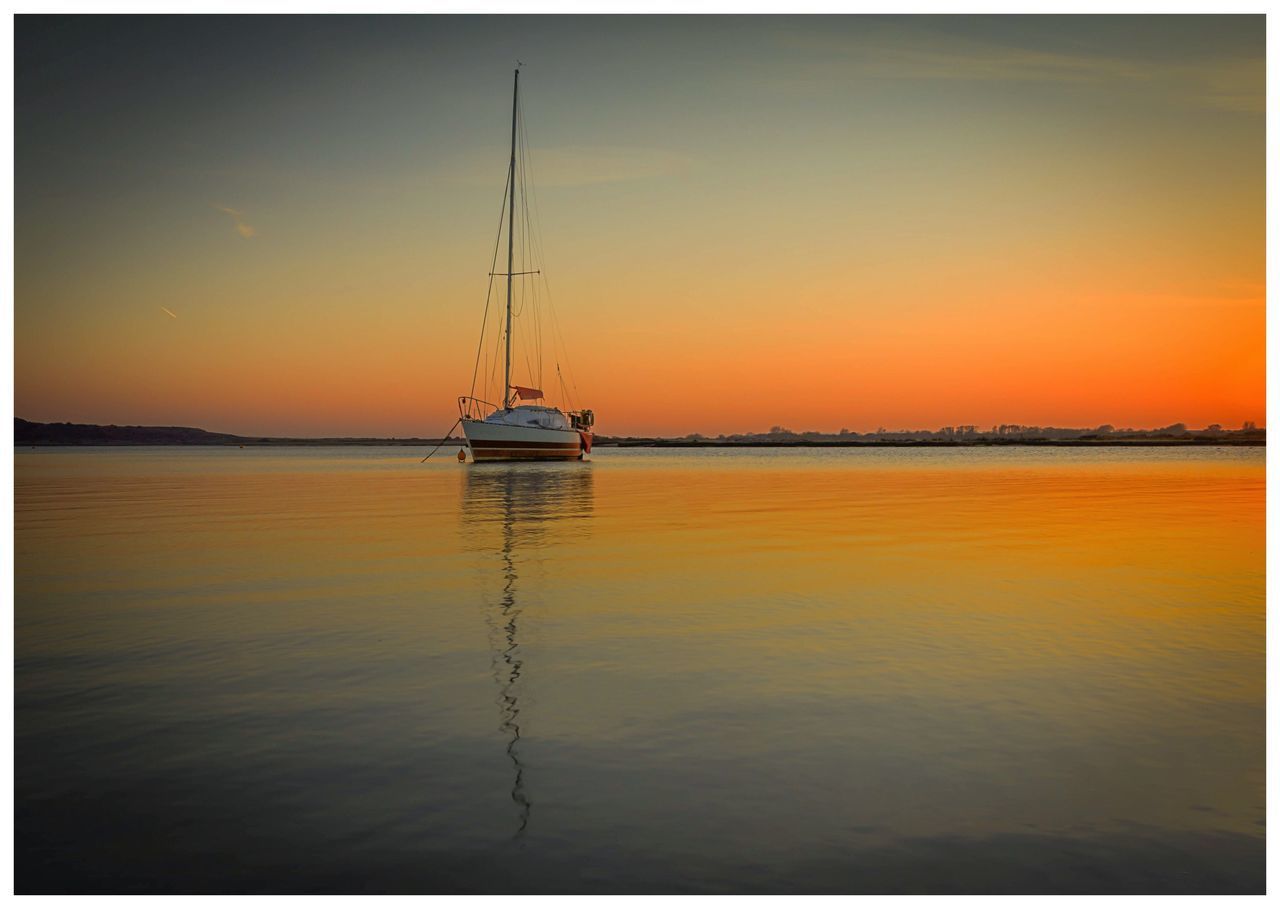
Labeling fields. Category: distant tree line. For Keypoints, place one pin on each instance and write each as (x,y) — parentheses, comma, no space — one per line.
(996,433)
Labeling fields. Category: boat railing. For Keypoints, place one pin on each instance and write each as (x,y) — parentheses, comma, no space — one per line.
(474,409)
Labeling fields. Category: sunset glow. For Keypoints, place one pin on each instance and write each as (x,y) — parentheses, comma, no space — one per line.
(285,228)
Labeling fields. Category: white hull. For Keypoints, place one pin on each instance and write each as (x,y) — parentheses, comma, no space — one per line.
(500,442)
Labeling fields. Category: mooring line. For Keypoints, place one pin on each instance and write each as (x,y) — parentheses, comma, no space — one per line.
(442,441)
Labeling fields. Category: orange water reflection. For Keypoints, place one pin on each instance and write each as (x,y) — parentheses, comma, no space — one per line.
(691,656)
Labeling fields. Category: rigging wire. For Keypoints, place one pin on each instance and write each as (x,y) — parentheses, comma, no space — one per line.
(534,299)
(529,283)
(488,294)
(558,342)
(564,392)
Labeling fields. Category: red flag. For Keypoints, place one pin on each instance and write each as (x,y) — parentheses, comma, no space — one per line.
(525,394)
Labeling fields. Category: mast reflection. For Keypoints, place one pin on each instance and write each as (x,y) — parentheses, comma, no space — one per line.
(512,514)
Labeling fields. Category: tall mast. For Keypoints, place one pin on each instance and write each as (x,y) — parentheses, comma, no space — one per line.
(511,236)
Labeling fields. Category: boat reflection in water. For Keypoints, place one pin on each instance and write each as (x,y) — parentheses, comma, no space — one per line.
(512,514)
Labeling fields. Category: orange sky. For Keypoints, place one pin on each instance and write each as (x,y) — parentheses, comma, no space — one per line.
(850,223)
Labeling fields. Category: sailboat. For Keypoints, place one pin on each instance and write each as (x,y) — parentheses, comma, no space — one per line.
(510,430)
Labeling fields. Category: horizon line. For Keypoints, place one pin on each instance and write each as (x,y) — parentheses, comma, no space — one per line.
(956,430)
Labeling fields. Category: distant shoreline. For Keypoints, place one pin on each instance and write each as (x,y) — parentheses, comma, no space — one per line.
(81,435)
(457,443)
(250,443)
(929,443)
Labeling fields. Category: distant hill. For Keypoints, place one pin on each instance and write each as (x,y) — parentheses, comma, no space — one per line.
(27,433)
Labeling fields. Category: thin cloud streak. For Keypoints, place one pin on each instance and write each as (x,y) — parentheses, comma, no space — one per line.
(245,230)
(1225,84)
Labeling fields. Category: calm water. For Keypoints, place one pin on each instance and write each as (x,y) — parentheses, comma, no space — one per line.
(882,670)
